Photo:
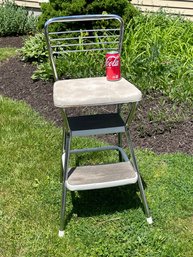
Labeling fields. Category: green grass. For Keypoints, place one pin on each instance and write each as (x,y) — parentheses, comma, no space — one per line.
(7,52)
(101,222)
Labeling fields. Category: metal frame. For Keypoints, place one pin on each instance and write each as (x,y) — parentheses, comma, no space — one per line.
(80,18)
(52,43)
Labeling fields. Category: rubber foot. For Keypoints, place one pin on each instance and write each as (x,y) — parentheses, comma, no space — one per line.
(149,220)
(61,233)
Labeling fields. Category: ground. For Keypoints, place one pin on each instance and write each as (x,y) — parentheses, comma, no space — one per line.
(158,126)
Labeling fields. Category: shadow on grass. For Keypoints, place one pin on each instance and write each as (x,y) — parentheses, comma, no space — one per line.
(91,203)
(105,201)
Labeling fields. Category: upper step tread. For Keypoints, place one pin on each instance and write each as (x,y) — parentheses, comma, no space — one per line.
(97,121)
(96,124)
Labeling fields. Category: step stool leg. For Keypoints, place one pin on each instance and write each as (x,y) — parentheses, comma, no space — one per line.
(144,200)
(119,134)
(63,151)
(140,184)
(65,160)
(63,208)
(120,145)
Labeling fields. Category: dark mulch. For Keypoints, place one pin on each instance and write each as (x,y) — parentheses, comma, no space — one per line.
(12,41)
(16,82)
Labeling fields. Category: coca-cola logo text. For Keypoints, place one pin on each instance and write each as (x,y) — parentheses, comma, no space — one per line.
(112,61)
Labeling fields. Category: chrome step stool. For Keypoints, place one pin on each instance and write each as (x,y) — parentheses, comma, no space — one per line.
(94,91)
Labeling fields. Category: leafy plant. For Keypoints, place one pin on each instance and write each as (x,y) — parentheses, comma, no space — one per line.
(157,55)
(43,72)
(15,20)
(73,65)
(34,49)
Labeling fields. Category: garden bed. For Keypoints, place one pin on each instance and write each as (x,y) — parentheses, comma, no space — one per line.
(170,133)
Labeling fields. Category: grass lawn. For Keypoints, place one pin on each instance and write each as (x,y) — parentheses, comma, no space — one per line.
(7,52)
(101,222)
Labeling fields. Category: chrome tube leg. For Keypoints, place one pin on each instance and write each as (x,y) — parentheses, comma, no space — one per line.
(119,134)
(64,190)
(63,150)
(66,130)
(140,184)
(120,145)
(63,208)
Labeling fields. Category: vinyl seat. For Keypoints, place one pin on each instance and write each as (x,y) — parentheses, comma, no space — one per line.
(94,91)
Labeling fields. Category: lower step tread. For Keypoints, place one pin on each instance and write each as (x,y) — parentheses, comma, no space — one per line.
(101,176)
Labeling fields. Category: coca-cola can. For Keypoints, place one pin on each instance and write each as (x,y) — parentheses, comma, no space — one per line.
(113,71)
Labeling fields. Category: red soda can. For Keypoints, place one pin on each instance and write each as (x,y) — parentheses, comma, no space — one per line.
(113,71)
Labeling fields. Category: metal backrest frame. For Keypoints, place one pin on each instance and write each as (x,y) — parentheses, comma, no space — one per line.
(83,40)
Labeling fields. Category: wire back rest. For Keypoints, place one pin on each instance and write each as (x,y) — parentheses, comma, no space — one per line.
(90,34)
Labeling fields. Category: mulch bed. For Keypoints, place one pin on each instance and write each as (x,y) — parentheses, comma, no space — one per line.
(16,83)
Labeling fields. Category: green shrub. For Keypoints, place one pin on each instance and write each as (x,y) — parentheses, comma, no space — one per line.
(157,55)
(68,7)
(73,65)
(15,20)
(34,49)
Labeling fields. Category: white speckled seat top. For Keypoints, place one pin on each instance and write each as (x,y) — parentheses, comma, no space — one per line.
(94,91)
